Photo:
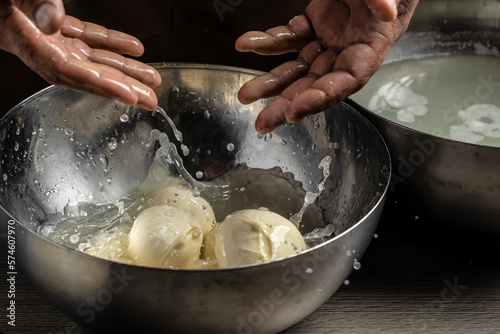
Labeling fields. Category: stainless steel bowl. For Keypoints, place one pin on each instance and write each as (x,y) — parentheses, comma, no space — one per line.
(61,147)
(453,183)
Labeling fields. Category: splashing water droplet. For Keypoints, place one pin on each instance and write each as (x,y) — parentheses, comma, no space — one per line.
(310,196)
(124,118)
(46,230)
(74,238)
(185,150)
(177,133)
(113,144)
(319,233)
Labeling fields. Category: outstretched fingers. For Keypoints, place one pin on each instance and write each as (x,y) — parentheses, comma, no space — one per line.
(66,59)
(65,64)
(130,67)
(278,40)
(97,36)
(133,68)
(105,81)
(276,113)
(274,82)
(352,70)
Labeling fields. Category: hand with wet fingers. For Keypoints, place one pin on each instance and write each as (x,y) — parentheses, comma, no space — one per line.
(341,44)
(80,55)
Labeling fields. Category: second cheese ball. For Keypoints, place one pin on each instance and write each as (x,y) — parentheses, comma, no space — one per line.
(183,198)
(166,237)
(254,236)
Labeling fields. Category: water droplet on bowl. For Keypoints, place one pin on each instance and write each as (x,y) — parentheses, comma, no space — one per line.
(74,238)
(113,144)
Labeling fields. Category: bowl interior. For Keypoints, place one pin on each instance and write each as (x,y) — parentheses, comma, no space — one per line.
(61,148)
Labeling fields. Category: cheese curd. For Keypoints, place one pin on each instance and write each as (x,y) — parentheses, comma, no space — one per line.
(183,198)
(166,237)
(254,236)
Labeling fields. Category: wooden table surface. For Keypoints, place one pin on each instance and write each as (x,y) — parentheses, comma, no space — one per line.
(410,281)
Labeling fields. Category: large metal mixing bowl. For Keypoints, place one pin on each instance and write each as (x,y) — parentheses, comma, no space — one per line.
(454,183)
(61,147)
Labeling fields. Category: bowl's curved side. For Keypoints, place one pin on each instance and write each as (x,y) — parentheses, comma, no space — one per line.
(111,297)
(114,298)
(451,183)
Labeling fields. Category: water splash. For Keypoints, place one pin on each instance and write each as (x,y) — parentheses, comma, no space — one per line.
(168,156)
(177,133)
(310,196)
(319,233)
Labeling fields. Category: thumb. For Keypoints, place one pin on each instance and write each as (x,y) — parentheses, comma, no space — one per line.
(386,10)
(47,15)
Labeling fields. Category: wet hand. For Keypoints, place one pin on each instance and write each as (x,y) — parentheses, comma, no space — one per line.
(80,55)
(342,43)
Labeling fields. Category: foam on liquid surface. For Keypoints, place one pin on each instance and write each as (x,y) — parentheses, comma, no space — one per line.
(455,97)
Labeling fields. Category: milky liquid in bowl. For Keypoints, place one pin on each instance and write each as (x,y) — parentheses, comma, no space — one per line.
(455,97)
